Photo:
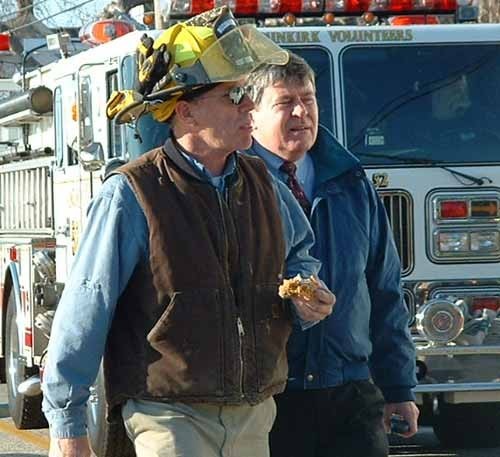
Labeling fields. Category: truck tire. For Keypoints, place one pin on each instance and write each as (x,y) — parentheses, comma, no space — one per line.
(26,412)
(2,370)
(106,440)
(467,426)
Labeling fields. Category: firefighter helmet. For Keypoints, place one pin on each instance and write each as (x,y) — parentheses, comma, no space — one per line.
(205,50)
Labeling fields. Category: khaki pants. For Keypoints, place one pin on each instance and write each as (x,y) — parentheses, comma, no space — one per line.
(199,430)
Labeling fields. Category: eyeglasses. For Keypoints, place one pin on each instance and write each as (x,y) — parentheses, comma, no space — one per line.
(237,94)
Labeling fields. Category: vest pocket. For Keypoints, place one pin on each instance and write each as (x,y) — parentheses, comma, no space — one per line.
(188,340)
(273,325)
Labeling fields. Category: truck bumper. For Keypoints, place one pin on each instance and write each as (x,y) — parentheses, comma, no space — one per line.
(459,374)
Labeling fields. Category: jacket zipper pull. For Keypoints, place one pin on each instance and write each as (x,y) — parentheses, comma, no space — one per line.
(241,333)
(241,330)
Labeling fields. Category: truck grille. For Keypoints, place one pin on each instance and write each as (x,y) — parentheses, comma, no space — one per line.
(411,305)
(399,207)
(25,198)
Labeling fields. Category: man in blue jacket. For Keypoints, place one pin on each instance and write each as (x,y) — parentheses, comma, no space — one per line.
(356,369)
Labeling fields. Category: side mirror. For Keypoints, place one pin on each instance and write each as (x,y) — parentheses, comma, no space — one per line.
(92,157)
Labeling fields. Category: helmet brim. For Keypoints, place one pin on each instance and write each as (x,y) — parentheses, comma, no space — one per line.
(131,113)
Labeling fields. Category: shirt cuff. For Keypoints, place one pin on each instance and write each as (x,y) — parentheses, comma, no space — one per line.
(304,325)
(397,394)
(67,423)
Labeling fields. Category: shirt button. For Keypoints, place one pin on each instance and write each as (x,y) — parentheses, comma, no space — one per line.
(310,377)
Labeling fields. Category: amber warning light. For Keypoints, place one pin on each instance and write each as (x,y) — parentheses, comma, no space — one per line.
(464,209)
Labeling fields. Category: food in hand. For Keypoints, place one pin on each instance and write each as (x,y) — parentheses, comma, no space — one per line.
(298,287)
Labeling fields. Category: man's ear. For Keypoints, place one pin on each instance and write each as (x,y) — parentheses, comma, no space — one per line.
(184,112)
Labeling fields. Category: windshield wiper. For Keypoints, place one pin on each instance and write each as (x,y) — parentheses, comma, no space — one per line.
(436,163)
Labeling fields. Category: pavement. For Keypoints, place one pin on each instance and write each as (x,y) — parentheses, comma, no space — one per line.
(19,443)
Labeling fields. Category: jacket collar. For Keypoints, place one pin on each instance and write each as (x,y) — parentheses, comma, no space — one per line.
(171,149)
(330,158)
(178,154)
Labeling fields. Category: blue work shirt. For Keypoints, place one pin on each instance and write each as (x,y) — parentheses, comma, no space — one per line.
(115,240)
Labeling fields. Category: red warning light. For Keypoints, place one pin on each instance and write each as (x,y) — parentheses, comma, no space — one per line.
(5,42)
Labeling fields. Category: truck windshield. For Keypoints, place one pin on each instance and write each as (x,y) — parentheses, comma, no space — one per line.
(440,103)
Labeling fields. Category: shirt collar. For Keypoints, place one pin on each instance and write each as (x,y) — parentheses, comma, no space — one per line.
(218,182)
(274,162)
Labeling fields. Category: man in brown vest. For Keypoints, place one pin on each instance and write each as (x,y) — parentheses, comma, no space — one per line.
(176,279)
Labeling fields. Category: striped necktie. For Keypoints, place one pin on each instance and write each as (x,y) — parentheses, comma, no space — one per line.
(290,169)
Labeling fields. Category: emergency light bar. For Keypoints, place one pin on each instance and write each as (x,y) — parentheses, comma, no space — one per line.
(182,8)
(105,30)
(391,6)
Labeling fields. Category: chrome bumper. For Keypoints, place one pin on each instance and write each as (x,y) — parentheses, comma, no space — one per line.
(453,391)
(452,351)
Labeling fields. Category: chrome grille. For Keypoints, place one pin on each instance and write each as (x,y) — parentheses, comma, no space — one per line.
(399,207)
(26,198)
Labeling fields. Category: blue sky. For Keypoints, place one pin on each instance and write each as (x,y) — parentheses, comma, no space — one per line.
(70,18)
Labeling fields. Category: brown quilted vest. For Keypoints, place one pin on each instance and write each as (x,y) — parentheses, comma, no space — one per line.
(201,321)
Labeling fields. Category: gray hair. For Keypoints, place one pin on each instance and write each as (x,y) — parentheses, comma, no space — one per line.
(296,71)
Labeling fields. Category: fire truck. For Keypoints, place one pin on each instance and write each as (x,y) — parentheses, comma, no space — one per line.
(414,97)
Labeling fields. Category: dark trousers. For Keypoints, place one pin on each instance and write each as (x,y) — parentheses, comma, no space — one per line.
(343,421)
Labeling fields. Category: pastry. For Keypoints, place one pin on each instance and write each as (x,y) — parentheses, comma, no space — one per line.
(299,287)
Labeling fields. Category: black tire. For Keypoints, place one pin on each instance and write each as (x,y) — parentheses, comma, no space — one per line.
(106,440)
(2,370)
(467,426)
(26,412)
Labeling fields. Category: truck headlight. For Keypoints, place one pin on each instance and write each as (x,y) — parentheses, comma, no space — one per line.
(484,241)
(464,225)
(452,241)
(467,244)
(440,321)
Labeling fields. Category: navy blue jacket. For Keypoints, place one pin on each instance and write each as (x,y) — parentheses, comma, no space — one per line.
(367,335)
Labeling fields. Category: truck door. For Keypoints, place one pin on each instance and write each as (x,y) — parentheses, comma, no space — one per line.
(79,113)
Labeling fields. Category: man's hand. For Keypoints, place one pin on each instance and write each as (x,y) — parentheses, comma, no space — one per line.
(319,307)
(70,447)
(407,410)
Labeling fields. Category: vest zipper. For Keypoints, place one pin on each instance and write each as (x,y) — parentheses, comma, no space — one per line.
(239,323)
(241,334)
(224,235)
